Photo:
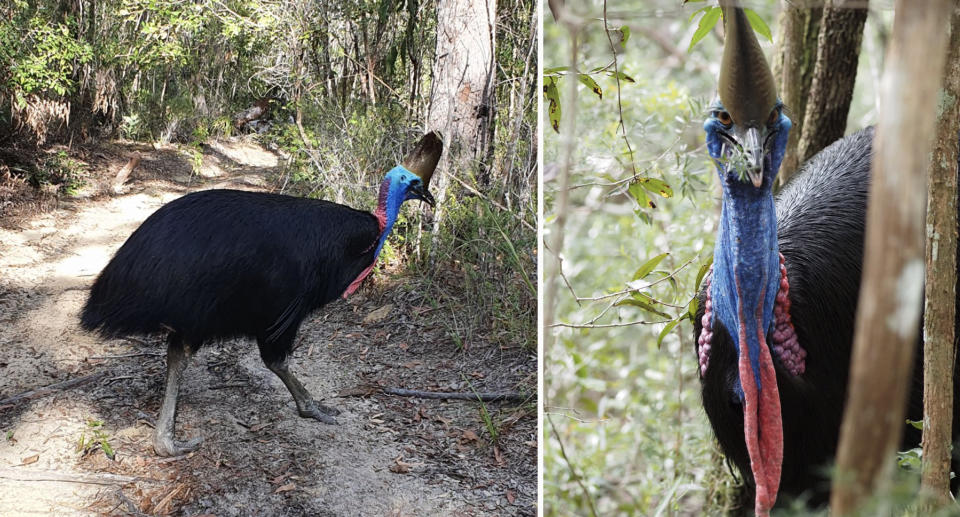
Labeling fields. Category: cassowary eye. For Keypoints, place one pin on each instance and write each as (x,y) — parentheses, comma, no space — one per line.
(723,117)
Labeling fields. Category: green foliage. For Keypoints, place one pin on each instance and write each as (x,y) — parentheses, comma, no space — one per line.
(97,438)
(58,169)
(491,253)
(712,14)
(552,76)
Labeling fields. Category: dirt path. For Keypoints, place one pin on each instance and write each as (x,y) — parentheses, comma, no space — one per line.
(388,456)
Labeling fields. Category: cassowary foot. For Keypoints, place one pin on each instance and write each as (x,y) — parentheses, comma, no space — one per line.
(167,446)
(318,411)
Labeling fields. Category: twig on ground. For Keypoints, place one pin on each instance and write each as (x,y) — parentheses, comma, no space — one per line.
(124,356)
(65,477)
(510,396)
(53,388)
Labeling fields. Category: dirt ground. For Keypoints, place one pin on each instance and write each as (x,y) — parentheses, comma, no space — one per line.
(389,455)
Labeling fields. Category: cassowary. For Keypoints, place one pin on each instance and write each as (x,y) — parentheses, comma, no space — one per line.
(775,320)
(223,263)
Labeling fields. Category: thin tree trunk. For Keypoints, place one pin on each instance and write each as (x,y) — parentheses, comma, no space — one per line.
(838,51)
(793,67)
(940,307)
(891,291)
(462,98)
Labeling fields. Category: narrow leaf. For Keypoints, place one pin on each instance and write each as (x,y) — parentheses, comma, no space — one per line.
(657,185)
(647,267)
(692,308)
(666,330)
(639,301)
(626,35)
(703,271)
(707,21)
(552,94)
(590,83)
(758,24)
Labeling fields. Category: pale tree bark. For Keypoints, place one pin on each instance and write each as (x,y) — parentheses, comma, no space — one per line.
(890,301)
(838,51)
(793,67)
(462,96)
(940,305)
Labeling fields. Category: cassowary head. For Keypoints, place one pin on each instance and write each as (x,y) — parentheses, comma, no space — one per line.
(408,181)
(747,130)
(412,179)
(746,137)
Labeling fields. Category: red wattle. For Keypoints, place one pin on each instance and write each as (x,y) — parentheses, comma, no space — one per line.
(381,214)
(762,424)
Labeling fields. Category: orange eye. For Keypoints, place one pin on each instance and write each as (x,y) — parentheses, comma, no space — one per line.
(724,118)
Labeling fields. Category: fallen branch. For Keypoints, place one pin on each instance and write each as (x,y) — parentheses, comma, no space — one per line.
(124,356)
(124,172)
(53,388)
(64,477)
(510,396)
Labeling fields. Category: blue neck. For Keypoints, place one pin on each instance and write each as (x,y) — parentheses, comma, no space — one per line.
(393,193)
(746,266)
(746,257)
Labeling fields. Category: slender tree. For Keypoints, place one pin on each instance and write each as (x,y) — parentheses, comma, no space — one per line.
(838,51)
(940,305)
(793,67)
(462,97)
(888,311)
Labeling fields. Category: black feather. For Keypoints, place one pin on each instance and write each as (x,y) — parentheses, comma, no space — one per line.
(222,263)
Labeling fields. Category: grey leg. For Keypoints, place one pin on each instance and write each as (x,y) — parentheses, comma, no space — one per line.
(306,406)
(178,355)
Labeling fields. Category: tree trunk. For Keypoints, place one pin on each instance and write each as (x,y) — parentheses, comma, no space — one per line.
(462,97)
(793,66)
(838,50)
(891,290)
(940,307)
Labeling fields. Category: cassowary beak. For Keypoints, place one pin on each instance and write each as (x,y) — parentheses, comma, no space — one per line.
(418,191)
(752,149)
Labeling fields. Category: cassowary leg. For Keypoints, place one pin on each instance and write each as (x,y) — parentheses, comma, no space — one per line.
(274,354)
(306,406)
(164,442)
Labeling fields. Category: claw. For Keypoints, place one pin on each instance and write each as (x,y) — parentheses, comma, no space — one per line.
(164,446)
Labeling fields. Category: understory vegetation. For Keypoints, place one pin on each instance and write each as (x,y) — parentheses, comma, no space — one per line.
(340,90)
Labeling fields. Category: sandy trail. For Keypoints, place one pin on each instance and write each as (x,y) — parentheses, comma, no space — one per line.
(387,456)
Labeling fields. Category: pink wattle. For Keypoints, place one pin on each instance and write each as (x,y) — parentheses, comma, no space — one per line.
(381,214)
(784,340)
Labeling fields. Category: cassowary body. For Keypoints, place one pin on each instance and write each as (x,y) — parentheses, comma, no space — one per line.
(775,322)
(224,263)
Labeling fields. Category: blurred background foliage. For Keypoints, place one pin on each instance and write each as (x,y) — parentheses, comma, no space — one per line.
(624,430)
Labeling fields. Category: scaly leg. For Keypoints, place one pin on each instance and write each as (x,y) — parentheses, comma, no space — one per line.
(164,442)
(306,406)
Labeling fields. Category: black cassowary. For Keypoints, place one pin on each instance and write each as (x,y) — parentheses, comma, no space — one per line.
(774,327)
(223,263)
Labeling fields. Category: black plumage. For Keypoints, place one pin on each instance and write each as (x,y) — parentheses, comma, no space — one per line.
(231,263)
(820,227)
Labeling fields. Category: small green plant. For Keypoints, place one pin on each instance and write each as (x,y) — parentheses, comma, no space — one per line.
(491,426)
(196,159)
(98,438)
(9,436)
(59,169)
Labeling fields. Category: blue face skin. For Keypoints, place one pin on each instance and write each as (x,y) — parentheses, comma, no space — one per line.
(404,185)
(746,260)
